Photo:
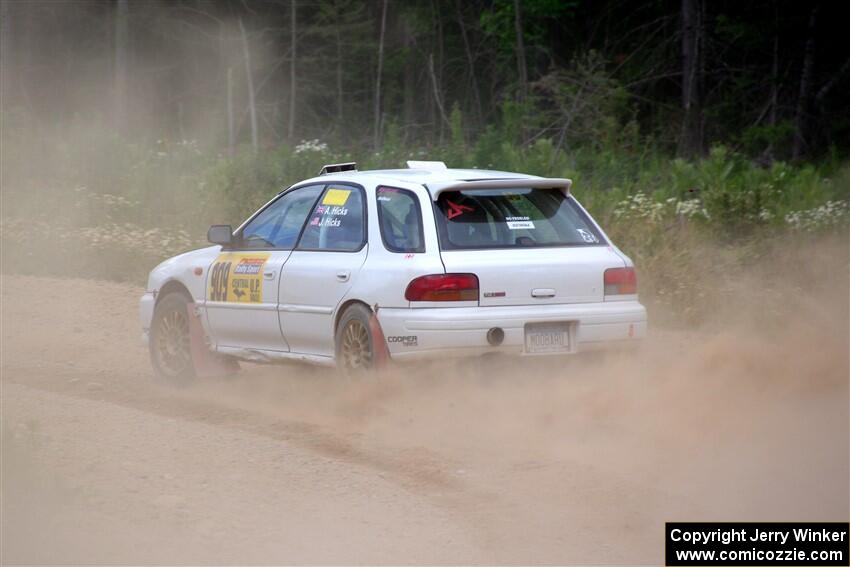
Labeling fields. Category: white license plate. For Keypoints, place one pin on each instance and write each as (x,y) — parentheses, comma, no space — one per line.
(547,338)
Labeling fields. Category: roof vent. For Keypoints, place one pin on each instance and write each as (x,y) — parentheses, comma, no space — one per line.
(430,165)
(337,167)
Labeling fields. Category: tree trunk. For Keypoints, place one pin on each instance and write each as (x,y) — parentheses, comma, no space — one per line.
(824,90)
(802,112)
(231,134)
(292,77)
(252,107)
(340,95)
(377,125)
(6,53)
(437,74)
(409,79)
(120,70)
(522,70)
(691,143)
(774,72)
(437,96)
(470,61)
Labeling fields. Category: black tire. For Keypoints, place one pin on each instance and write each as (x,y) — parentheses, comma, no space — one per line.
(355,353)
(170,346)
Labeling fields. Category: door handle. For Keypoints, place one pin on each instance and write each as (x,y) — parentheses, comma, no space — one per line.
(543,292)
(343,275)
(268,275)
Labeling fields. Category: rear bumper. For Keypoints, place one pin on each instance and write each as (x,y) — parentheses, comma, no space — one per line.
(463,330)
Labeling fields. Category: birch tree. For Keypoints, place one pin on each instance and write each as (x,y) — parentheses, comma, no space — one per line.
(377,123)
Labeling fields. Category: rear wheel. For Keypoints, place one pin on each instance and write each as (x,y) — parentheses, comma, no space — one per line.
(170,344)
(355,352)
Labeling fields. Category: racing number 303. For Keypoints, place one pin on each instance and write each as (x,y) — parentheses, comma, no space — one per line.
(219,277)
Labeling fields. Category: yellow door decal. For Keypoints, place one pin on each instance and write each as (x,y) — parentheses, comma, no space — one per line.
(237,277)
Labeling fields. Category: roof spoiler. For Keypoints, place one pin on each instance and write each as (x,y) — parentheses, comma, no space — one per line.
(337,167)
(517,183)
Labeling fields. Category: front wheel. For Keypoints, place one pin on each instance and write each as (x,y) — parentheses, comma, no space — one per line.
(170,344)
(355,352)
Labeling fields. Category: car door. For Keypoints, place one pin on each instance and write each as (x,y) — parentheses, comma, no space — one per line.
(243,281)
(320,271)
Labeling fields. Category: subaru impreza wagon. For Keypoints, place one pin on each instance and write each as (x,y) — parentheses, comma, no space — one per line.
(357,268)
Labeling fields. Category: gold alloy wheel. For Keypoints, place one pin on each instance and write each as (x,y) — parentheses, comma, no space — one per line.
(173,350)
(356,352)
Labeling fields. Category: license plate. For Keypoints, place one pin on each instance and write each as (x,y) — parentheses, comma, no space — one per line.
(547,338)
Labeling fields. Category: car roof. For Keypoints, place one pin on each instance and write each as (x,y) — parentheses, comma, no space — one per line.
(419,176)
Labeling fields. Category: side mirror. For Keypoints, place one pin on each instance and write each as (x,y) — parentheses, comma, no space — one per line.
(220,234)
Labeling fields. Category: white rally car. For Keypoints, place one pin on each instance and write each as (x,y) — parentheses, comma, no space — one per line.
(352,268)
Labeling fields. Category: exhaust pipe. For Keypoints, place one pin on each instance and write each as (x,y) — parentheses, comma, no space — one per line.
(495,336)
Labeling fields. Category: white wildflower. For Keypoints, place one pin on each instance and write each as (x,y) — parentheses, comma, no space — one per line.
(311,146)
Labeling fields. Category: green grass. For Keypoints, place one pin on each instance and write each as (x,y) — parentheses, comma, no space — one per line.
(110,210)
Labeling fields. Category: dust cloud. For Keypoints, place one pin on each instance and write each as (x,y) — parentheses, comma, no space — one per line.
(484,460)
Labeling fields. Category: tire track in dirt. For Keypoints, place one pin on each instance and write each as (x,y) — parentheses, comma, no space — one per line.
(529,461)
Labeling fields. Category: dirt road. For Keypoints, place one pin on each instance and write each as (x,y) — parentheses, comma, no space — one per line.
(458,463)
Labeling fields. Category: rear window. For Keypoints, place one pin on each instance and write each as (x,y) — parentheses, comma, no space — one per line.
(400,219)
(512,218)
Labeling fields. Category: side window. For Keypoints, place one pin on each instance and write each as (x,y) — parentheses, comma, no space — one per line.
(337,221)
(401,220)
(280,223)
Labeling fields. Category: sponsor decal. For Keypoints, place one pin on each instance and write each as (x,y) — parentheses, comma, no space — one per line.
(406,340)
(519,223)
(456,210)
(336,197)
(586,235)
(236,277)
(385,194)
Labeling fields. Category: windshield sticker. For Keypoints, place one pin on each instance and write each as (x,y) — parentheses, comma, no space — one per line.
(587,236)
(519,223)
(328,216)
(336,196)
(328,221)
(384,198)
(237,277)
(331,211)
(456,210)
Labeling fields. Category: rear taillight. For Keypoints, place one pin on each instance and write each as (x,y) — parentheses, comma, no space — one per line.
(620,281)
(443,287)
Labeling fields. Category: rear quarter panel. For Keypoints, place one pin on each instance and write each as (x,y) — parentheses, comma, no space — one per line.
(385,275)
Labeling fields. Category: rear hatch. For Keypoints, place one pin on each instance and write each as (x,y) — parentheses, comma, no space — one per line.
(528,246)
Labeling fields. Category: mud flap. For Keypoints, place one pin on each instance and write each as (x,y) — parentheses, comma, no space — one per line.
(207,363)
(379,342)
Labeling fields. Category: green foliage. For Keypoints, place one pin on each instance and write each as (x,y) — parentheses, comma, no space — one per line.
(584,106)
(498,21)
(777,137)
(151,202)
